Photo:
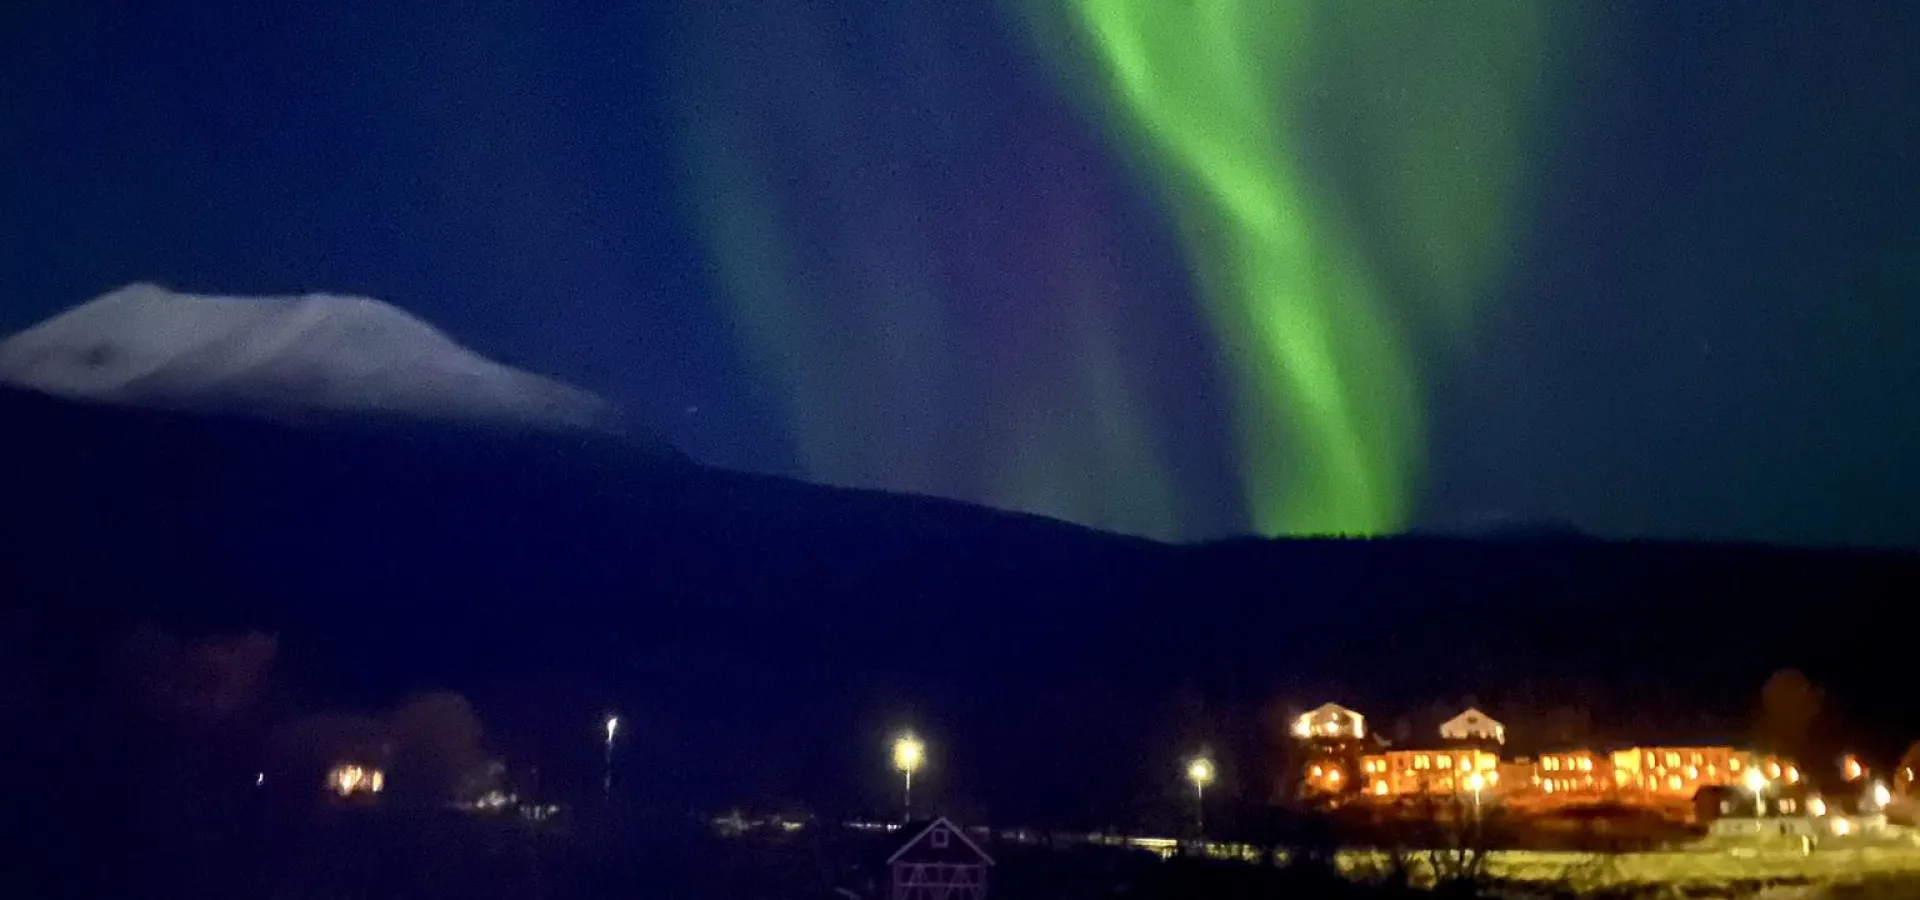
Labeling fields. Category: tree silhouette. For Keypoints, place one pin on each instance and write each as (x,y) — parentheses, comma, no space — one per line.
(1790,708)
(437,744)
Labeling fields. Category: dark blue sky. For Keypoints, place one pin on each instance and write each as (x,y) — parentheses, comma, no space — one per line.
(1705,326)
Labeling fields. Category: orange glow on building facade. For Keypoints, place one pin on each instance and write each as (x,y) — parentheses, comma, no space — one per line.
(1413,772)
(1649,773)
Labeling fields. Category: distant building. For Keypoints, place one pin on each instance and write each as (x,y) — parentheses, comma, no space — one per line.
(1680,772)
(1401,773)
(1330,722)
(1473,725)
(937,861)
(1572,775)
(354,781)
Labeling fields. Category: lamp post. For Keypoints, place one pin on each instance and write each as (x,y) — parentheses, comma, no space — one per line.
(908,754)
(606,783)
(1200,771)
(1476,783)
(1757,783)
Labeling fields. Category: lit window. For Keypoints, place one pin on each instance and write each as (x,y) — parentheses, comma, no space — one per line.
(1673,759)
(1697,759)
(1446,762)
(1786,805)
(1548,787)
(1851,769)
(1446,784)
(1693,773)
(1423,761)
(1466,763)
(1793,775)
(1713,772)
(1673,782)
(1586,764)
(1550,764)
(1380,789)
(1733,764)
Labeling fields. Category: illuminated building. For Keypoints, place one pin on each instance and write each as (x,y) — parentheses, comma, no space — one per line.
(1327,776)
(355,781)
(1570,774)
(1679,772)
(1330,722)
(1413,772)
(1473,725)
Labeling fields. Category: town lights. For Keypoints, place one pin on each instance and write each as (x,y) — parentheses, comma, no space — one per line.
(1757,783)
(1881,796)
(1476,783)
(908,754)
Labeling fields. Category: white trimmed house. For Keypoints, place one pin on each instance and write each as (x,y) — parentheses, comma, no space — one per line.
(1473,725)
(1330,721)
(938,862)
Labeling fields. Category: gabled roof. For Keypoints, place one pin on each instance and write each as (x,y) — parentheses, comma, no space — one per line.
(1469,713)
(937,825)
(1333,708)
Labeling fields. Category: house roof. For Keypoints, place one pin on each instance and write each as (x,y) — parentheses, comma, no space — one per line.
(1333,708)
(1469,713)
(929,828)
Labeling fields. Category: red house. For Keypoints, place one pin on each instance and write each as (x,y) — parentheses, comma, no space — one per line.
(938,862)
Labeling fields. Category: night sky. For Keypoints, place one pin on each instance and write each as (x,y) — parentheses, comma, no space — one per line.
(1179,269)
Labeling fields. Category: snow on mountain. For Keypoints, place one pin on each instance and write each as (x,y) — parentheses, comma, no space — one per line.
(144,345)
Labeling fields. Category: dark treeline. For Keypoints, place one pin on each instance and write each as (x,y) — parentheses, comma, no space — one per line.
(762,639)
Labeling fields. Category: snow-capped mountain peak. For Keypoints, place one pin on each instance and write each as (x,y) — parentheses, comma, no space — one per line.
(145,345)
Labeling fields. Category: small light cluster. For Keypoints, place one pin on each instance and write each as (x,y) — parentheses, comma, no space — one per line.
(350,779)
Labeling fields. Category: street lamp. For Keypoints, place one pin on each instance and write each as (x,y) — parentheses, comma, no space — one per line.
(1757,783)
(908,754)
(613,727)
(1476,783)
(1880,795)
(1200,771)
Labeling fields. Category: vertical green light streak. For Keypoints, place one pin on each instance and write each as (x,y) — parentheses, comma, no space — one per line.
(1341,172)
(1328,423)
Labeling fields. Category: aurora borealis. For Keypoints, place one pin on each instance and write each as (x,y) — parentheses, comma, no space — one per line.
(1326,405)
(1329,418)
(1177,268)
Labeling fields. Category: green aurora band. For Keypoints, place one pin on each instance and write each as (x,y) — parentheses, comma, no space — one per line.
(1324,158)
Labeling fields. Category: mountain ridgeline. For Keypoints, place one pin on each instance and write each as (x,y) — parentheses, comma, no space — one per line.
(762,637)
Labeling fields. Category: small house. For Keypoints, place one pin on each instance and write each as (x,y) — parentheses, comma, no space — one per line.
(937,862)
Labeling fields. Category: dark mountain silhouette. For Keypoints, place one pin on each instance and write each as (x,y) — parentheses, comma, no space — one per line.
(762,637)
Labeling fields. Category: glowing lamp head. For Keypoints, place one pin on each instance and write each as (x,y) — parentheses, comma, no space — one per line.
(1476,782)
(1200,772)
(613,726)
(1881,796)
(1755,781)
(908,753)
(1816,806)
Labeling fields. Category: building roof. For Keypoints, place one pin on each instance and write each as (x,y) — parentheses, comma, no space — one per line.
(1469,714)
(923,838)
